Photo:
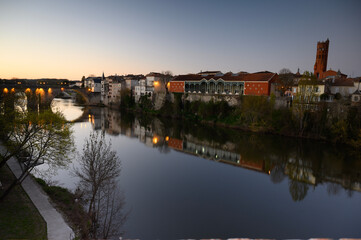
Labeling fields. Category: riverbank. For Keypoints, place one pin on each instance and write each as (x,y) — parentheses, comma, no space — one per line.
(70,205)
(335,123)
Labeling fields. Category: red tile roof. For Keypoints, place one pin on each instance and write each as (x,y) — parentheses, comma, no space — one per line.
(341,82)
(259,76)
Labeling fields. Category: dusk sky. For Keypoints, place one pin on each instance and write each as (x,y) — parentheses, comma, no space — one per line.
(69,39)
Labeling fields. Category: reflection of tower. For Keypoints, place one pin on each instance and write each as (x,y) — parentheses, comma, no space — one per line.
(321,58)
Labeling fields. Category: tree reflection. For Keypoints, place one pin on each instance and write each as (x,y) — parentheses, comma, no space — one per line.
(98,172)
(280,157)
(298,190)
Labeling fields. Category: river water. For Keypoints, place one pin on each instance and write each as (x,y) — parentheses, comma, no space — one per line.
(181,180)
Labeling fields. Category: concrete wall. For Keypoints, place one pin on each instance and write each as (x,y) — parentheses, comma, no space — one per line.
(94,98)
(232,100)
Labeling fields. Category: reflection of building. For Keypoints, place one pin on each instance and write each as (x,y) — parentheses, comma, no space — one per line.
(175,143)
(303,171)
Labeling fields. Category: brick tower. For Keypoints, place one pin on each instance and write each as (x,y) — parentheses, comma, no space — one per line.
(321,58)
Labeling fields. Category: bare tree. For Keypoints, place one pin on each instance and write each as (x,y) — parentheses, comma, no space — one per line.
(99,168)
(285,80)
(305,99)
(166,78)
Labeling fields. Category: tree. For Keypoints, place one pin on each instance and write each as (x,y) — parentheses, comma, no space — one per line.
(285,80)
(166,78)
(305,99)
(99,168)
(35,137)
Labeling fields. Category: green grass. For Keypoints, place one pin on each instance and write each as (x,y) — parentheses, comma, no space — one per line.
(19,218)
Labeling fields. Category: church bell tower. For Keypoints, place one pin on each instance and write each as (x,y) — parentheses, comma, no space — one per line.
(321,58)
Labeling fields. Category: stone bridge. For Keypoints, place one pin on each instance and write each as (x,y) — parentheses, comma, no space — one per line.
(45,93)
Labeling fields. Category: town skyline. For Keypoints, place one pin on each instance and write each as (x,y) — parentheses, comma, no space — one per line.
(70,40)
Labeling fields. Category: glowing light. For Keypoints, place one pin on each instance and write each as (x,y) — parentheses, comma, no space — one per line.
(269,172)
(39,91)
(168,84)
(5,90)
(50,90)
(167,138)
(28,90)
(155,140)
(13,90)
(19,82)
(89,116)
(62,89)
(156,83)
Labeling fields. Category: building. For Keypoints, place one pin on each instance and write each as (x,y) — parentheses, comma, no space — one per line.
(146,85)
(333,74)
(343,86)
(115,88)
(110,89)
(232,84)
(104,91)
(261,83)
(356,96)
(321,59)
(131,81)
(93,84)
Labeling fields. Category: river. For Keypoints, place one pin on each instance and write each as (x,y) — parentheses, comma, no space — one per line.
(181,180)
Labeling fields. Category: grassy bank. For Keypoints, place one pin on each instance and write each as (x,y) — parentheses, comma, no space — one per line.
(19,218)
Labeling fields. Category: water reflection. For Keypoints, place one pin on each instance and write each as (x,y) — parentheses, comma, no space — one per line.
(66,106)
(305,164)
(183,180)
